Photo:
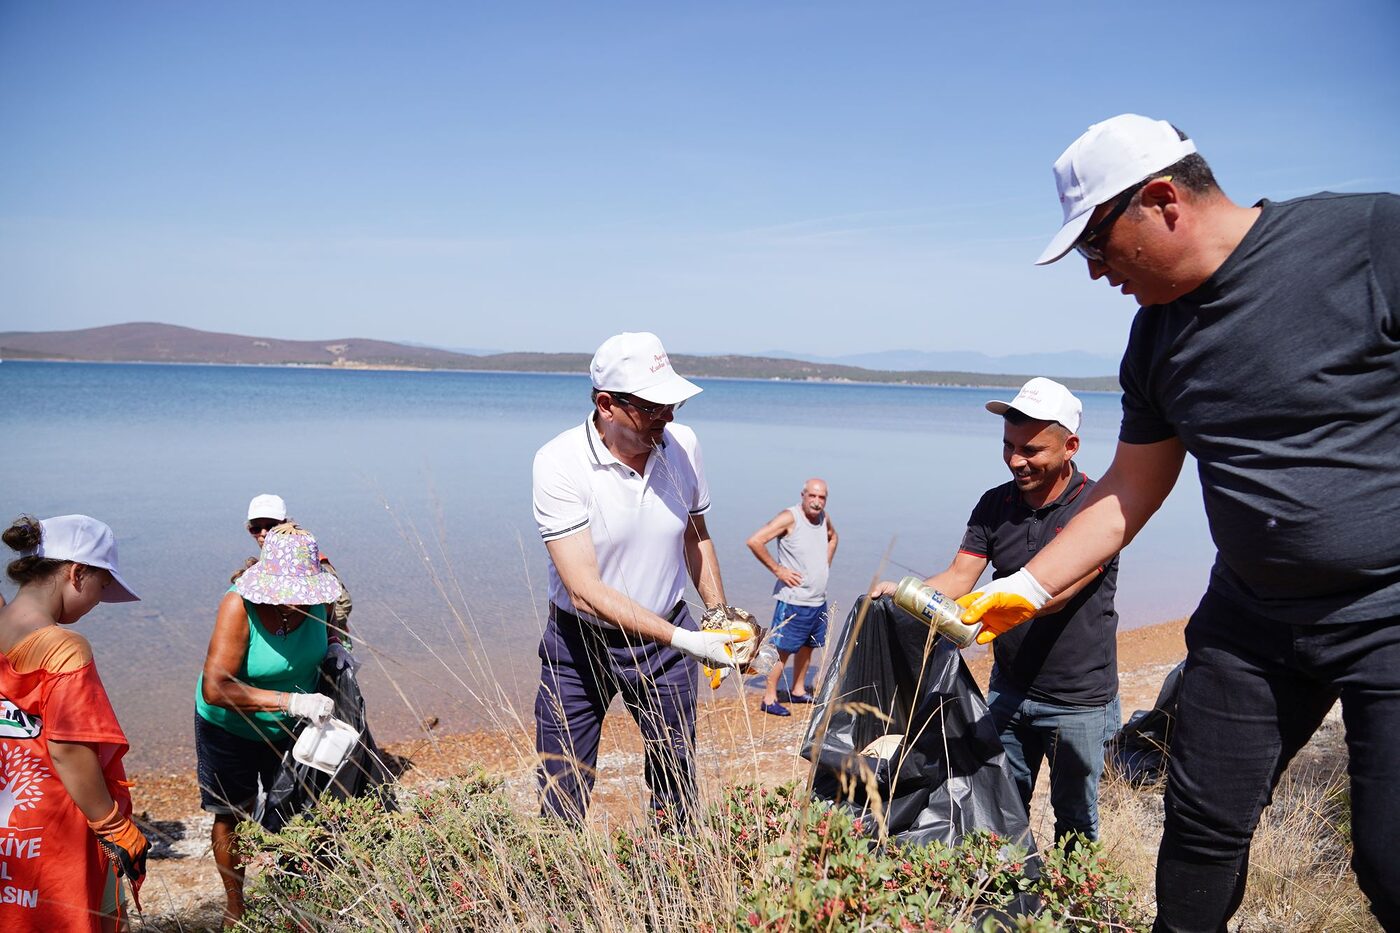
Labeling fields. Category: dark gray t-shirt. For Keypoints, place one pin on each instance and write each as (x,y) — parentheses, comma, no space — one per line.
(1281,376)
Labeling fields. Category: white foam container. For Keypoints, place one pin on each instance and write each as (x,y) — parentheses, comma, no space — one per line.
(325,746)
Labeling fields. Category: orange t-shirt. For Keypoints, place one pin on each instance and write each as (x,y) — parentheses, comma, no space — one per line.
(52,871)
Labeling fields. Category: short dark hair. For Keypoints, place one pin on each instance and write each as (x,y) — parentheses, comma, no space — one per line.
(1017,417)
(1192,172)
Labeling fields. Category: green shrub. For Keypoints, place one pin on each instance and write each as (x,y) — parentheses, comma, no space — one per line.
(462,858)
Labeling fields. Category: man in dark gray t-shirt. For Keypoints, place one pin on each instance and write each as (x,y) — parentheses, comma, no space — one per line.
(1268,347)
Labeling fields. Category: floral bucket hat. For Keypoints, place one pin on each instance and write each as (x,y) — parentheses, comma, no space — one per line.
(289,572)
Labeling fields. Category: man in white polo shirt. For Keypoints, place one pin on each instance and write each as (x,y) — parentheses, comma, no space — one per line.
(620,501)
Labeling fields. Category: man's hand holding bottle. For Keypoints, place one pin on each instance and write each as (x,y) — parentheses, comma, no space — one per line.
(1003,604)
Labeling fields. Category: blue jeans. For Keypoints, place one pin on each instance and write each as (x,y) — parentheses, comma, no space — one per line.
(1072,737)
(1253,692)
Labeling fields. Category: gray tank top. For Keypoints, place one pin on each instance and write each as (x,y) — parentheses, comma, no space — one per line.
(804,550)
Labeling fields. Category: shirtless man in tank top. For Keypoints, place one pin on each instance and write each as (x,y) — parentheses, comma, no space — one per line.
(806,544)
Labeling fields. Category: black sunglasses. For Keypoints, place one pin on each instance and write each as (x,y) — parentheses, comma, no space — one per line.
(1094,251)
(645,408)
(262,524)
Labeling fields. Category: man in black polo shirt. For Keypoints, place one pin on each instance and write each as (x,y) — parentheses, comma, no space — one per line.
(1268,346)
(1054,686)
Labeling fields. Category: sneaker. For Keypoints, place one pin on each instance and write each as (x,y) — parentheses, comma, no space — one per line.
(774,709)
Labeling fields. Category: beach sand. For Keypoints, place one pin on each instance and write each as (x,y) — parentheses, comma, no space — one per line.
(737,743)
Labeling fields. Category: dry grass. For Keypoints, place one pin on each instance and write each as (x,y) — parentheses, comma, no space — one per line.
(1300,879)
(1300,876)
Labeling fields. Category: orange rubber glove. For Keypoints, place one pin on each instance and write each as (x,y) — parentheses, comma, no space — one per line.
(125,845)
(1004,604)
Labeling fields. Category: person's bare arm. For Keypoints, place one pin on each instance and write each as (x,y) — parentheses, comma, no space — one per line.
(80,771)
(228,648)
(1131,491)
(831,539)
(758,544)
(958,580)
(577,564)
(1062,599)
(702,561)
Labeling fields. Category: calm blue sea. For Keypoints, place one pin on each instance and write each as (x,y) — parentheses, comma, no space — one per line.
(418,486)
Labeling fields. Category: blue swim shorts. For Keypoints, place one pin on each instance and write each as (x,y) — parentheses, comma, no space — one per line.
(798,626)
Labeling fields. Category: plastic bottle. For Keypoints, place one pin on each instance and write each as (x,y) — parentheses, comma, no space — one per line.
(764,659)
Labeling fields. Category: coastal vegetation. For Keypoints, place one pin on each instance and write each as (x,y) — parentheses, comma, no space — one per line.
(462,854)
(466,851)
(460,857)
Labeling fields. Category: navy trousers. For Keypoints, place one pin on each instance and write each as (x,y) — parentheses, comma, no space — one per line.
(582,668)
(1253,692)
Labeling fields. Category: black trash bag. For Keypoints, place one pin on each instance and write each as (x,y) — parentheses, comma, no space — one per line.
(1138,751)
(948,776)
(296,787)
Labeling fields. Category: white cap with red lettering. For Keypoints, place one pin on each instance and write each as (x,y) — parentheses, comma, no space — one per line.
(637,364)
(1044,400)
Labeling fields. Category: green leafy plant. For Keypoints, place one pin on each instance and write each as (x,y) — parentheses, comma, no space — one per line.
(462,858)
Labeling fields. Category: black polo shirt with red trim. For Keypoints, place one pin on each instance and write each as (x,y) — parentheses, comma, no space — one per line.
(1069,657)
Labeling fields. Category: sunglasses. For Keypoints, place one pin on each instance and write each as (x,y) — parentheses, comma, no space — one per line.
(259,525)
(646,408)
(1095,240)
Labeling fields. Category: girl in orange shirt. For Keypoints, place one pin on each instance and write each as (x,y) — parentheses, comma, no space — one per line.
(65,811)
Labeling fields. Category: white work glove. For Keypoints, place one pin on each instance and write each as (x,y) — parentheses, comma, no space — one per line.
(709,648)
(341,657)
(746,631)
(316,707)
(1003,604)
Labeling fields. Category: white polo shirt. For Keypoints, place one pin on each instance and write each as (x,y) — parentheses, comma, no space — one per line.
(638,522)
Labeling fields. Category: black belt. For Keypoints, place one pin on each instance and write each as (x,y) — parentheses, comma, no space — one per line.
(612,637)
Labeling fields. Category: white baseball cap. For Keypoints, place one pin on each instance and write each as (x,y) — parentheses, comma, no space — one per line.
(1044,400)
(84,540)
(637,364)
(267,506)
(1107,160)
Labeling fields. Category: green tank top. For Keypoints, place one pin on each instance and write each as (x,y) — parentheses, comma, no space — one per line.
(287,663)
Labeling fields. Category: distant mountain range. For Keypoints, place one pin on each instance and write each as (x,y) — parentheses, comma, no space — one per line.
(167,343)
(1069,363)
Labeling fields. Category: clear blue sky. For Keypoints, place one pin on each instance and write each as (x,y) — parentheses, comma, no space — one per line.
(819,177)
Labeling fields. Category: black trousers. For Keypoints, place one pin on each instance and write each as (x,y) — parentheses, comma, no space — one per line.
(1253,692)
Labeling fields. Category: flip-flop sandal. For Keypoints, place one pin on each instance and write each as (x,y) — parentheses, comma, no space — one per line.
(774,709)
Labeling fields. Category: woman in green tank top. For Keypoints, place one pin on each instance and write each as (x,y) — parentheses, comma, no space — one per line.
(261,675)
